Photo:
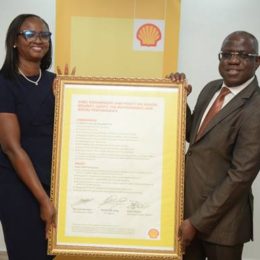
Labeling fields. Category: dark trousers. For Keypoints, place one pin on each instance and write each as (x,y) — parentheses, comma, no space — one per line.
(201,250)
(24,231)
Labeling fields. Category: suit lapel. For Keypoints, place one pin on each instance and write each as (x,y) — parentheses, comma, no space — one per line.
(202,107)
(226,111)
(237,102)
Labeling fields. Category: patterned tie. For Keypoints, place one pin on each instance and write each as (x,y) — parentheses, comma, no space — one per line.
(215,108)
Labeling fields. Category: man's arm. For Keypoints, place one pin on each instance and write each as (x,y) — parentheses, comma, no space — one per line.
(244,167)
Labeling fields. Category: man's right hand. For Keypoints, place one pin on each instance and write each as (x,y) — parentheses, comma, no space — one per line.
(186,233)
(177,77)
(180,78)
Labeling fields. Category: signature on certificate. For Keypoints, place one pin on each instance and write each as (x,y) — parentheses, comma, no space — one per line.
(134,204)
(81,203)
(114,201)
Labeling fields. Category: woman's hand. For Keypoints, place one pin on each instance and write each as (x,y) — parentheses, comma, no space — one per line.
(66,70)
(48,215)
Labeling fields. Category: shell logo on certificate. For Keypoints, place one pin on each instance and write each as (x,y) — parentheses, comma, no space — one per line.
(117,173)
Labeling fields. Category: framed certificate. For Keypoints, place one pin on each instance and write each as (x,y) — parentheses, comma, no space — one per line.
(118,163)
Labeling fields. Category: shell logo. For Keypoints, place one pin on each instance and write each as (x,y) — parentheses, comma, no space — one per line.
(153,233)
(148,35)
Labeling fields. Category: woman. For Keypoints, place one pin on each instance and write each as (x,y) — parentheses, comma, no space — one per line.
(26,125)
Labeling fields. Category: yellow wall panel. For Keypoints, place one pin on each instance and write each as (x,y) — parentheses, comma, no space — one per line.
(109,51)
(100,8)
(115,35)
(146,9)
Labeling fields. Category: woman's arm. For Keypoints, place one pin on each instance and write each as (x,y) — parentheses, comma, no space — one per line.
(10,144)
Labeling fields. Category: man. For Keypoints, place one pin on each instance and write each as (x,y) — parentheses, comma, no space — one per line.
(223,158)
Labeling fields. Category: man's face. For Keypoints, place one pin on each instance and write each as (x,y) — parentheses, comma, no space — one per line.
(238,68)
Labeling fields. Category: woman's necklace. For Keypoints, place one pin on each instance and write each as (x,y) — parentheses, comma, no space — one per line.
(32,81)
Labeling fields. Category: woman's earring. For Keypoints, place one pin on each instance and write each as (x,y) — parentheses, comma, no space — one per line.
(14,46)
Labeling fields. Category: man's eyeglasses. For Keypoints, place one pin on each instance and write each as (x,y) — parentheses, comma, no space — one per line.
(238,55)
(30,36)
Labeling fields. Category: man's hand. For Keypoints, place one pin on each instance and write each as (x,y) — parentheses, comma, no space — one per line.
(180,78)
(186,233)
(177,77)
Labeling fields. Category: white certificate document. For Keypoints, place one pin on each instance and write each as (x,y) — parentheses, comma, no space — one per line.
(115,166)
(118,164)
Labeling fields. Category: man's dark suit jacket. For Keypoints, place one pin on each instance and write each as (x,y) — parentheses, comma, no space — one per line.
(221,166)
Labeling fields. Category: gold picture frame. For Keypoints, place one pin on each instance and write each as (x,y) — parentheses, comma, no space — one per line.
(118,167)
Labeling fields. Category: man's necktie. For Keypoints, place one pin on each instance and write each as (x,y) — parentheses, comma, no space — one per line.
(215,108)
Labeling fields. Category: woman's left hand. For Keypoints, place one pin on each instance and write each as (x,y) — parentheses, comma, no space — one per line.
(48,215)
(66,70)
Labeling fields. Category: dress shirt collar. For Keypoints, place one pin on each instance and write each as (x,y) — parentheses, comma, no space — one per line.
(237,89)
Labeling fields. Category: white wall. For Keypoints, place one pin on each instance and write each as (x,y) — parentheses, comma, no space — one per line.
(204,24)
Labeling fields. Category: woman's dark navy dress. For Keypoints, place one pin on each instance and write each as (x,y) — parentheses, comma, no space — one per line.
(24,231)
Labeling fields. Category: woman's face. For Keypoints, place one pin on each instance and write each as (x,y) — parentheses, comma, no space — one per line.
(33,41)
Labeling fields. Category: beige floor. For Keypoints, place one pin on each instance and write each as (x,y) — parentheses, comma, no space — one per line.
(3,256)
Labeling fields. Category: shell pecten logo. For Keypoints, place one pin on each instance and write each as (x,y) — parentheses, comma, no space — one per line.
(153,233)
(149,35)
